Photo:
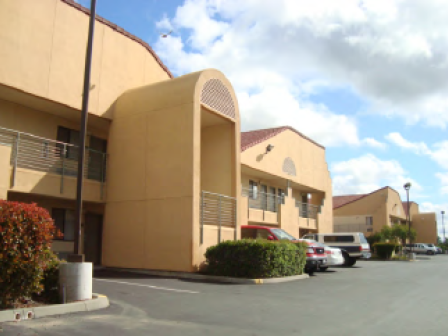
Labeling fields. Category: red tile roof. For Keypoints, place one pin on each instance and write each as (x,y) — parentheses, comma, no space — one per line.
(339,201)
(121,31)
(252,138)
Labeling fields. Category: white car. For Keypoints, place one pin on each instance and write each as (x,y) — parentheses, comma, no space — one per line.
(420,248)
(334,255)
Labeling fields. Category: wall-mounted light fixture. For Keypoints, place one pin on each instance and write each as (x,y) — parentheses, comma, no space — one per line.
(269,148)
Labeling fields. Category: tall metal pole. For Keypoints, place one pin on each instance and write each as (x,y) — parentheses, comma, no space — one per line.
(443,227)
(408,218)
(82,133)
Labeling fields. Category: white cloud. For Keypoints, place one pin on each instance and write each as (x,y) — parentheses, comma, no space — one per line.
(393,53)
(416,147)
(373,143)
(443,177)
(369,173)
(438,153)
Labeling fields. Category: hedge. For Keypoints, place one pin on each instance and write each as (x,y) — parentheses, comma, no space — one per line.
(249,258)
(385,250)
(26,233)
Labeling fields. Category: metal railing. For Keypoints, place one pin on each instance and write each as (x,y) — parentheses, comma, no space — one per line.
(307,210)
(263,201)
(217,209)
(36,153)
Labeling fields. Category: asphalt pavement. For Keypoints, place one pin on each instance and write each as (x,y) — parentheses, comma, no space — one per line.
(371,298)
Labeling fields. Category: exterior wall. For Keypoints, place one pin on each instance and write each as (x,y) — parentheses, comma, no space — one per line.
(44,45)
(426,226)
(309,160)
(23,119)
(152,211)
(380,205)
(312,176)
(351,224)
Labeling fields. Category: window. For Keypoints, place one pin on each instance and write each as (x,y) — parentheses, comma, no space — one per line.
(253,189)
(281,196)
(69,136)
(369,221)
(264,197)
(339,239)
(263,234)
(247,233)
(272,204)
(64,220)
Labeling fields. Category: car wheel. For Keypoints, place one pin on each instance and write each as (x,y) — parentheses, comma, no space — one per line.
(351,262)
(323,269)
(428,252)
(346,259)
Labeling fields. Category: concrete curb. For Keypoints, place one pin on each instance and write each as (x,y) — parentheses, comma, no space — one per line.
(212,278)
(14,315)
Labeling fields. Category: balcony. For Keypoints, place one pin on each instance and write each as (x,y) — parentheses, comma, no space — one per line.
(262,207)
(307,215)
(39,163)
(218,216)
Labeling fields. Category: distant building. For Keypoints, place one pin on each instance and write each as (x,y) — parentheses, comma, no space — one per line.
(368,213)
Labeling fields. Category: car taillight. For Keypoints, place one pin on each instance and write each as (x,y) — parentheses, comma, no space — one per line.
(360,249)
(310,250)
(329,252)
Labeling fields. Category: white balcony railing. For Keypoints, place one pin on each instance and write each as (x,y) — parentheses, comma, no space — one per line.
(36,153)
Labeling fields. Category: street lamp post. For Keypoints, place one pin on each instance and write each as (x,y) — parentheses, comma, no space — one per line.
(407,186)
(443,226)
(82,136)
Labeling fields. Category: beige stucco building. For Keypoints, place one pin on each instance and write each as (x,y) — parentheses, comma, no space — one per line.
(368,213)
(167,168)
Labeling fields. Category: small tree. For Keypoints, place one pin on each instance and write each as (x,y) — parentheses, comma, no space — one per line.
(401,232)
(26,233)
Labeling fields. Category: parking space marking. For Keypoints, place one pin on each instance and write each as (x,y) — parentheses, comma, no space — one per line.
(149,286)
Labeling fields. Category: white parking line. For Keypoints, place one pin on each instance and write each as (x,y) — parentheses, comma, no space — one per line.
(149,286)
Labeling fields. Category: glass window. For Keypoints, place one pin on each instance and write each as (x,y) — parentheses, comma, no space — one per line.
(339,239)
(253,189)
(369,221)
(281,234)
(263,233)
(247,233)
(281,196)
(363,239)
(64,220)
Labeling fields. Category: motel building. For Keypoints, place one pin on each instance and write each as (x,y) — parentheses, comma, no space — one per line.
(168,172)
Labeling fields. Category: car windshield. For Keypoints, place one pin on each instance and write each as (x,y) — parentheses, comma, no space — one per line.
(281,234)
(363,239)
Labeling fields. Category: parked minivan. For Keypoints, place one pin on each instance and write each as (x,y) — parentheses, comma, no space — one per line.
(315,254)
(353,244)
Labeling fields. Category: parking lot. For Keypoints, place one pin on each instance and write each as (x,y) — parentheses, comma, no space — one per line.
(372,298)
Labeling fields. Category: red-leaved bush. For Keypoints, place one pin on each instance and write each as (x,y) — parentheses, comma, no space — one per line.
(26,233)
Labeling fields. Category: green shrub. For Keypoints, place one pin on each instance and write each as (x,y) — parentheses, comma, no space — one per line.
(385,250)
(249,258)
(26,233)
(50,280)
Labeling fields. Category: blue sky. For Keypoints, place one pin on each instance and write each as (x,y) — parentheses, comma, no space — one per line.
(367,79)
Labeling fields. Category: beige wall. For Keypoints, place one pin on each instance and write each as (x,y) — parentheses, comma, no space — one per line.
(312,176)
(44,45)
(152,212)
(380,205)
(426,226)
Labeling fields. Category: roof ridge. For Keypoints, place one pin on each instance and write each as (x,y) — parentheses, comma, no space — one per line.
(361,196)
(121,31)
(273,132)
